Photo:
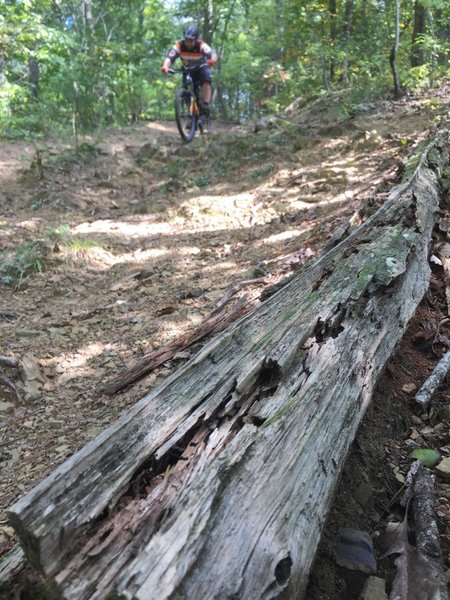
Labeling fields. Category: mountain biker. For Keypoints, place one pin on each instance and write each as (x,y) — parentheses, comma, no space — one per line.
(194,51)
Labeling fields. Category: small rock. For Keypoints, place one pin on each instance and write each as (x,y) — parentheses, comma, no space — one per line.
(363,493)
(6,407)
(374,589)
(427,432)
(20,413)
(416,420)
(411,444)
(354,551)
(444,413)
(414,434)
(8,531)
(444,489)
(147,150)
(443,468)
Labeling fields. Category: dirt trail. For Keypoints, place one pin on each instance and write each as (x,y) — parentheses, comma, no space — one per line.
(114,251)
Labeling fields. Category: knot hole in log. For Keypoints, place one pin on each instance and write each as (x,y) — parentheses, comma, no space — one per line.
(269,377)
(330,328)
(283,571)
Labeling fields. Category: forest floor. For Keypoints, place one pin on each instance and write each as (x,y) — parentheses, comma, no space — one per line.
(121,248)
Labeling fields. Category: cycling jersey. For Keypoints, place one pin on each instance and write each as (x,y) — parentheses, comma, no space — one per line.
(192,56)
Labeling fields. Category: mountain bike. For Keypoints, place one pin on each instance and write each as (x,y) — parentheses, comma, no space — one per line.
(188,106)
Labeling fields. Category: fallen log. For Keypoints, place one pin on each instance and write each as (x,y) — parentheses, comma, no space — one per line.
(424,395)
(214,324)
(419,565)
(217,484)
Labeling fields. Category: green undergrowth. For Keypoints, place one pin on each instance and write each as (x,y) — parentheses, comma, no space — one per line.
(19,263)
(25,260)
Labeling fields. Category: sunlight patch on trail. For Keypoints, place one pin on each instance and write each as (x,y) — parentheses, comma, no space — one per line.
(126,229)
(69,366)
(283,236)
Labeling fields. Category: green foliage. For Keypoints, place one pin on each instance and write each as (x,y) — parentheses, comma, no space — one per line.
(202,181)
(71,248)
(27,259)
(58,233)
(100,70)
(263,172)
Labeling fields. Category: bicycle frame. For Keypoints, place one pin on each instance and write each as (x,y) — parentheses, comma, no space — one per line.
(190,93)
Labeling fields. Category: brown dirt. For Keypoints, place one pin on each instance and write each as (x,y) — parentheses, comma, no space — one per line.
(138,237)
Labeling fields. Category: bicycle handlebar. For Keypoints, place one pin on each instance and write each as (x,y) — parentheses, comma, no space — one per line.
(187,68)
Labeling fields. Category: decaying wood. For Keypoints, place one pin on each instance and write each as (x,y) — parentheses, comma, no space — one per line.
(11,568)
(217,484)
(419,565)
(213,325)
(428,540)
(424,502)
(424,395)
(234,290)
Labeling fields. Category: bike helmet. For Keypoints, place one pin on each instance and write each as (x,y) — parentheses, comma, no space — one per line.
(191,32)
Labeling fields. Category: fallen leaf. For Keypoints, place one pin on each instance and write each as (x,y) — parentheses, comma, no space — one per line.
(428,457)
(409,388)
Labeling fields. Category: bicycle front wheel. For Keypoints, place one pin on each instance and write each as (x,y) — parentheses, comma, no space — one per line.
(186,121)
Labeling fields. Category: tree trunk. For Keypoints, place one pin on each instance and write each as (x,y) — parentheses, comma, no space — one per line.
(207,29)
(217,81)
(2,68)
(218,483)
(417,55)
(33,77)
(347,28)
(393,56)
(332,8)
(442,34)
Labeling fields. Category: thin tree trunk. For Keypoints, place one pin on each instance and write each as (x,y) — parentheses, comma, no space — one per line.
(33,77)
(2,69)
(207,30)
(332,7)
(417,55)
(432,58)
(325,79)
(398,92)
(348,14)
(220,52)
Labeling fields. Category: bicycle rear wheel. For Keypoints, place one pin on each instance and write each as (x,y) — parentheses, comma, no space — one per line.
(186,121)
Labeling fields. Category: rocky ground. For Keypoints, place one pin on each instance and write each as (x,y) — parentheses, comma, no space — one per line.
(118,248)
